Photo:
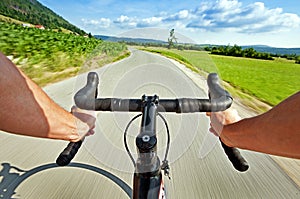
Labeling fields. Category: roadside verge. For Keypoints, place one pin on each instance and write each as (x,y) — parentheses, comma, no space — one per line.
(290,166)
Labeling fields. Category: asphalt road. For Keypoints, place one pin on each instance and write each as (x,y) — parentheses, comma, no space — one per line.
(102,168)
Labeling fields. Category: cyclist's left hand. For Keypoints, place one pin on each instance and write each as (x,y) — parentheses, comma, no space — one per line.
(87,117)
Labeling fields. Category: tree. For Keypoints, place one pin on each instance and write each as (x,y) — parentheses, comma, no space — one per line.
(298,60)
(235,51)
(250,52)
(172,38)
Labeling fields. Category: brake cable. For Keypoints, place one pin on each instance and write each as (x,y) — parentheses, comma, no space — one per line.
(125,139)
(165,163)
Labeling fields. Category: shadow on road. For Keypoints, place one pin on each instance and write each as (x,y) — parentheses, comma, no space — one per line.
(11,177)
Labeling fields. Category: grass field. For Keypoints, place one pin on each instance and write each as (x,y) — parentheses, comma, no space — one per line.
(269,81)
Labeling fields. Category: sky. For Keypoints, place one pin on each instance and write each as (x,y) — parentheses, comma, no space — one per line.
(274,23)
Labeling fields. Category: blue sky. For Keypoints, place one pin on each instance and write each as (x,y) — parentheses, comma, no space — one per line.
(244,22)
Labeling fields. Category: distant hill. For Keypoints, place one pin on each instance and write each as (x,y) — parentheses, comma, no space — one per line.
(33,12)
(272,50)
(258,48)
(127,39)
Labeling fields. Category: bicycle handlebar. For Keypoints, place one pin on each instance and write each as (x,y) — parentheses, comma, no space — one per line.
(180,105)
(219,100)
(86,98)
(68,153)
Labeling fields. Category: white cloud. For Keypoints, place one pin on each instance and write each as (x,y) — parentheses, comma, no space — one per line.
(149,22)
(100,23)
(181,15)
(122,19)
(233,16)
(126,22)
(210,16)
(227,5)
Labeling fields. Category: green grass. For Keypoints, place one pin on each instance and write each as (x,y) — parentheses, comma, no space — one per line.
(173,55)
(269,81)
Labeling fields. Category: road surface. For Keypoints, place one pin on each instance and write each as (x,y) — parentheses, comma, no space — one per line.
(102,168)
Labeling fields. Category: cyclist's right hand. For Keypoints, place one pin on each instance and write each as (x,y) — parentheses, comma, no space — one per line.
(219,119)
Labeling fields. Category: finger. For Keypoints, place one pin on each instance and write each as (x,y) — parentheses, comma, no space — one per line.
(208,114)
(73,109)
(91,132)
(85,117)
(213,132)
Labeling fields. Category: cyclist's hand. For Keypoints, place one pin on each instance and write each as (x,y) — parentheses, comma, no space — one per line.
(219,119)
(87,118)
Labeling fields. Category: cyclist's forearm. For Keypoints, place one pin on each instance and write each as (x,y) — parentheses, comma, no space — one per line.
(276,132)
(27,110)
(61,123)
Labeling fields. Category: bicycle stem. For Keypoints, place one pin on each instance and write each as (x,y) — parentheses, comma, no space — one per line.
(148,162)
(147,177)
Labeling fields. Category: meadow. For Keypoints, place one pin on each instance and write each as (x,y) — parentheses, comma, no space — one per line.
(270,81)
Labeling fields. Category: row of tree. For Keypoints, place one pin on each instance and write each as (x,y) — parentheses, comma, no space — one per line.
(228,50)
(237,51)
(166,45)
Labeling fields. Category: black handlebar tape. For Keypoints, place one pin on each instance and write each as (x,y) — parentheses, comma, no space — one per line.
(220,99)
(68,153)
(118,104)
(187,105)
(215,89)
(180,105)
(218,96)
(237,160)
(85,97)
